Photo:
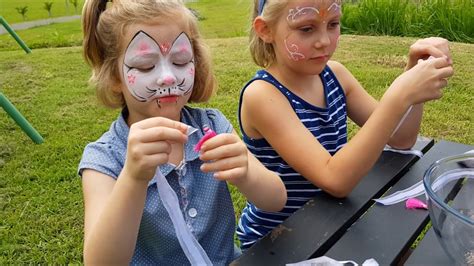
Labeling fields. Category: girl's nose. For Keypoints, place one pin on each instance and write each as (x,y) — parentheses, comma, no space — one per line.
(166,81)
(322,40)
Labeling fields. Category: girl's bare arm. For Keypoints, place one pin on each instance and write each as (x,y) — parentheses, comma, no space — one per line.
(113,211)
(266,111)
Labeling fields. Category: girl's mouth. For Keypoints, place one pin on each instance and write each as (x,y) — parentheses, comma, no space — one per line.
(320,58)
(168,99)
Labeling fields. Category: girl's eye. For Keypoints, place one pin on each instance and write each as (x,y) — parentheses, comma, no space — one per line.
(145,69)
(306,29)
(180,64)
(334,24)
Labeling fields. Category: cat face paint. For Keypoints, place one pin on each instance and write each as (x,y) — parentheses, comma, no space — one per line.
(159,71)
(317,23)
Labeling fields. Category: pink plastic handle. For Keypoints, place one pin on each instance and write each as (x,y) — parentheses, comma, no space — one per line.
(414,203)
(209,133)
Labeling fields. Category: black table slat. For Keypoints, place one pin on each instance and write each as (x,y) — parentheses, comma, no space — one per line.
(394,225)
(313,229)
(429,252)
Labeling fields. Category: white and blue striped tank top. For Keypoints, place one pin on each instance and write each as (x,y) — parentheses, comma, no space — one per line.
(328,125)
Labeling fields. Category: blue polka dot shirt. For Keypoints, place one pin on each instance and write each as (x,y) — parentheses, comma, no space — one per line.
(205,202)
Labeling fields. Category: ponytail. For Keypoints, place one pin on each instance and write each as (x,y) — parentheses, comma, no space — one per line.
(93,49)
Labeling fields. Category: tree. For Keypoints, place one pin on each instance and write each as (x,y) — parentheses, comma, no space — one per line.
(75,3)
(22,11)
(67,6)
(47,6)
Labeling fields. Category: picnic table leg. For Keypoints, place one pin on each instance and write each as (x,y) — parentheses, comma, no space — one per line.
(20,120)
(15,36)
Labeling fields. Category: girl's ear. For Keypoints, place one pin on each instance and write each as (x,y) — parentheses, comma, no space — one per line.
(262,30)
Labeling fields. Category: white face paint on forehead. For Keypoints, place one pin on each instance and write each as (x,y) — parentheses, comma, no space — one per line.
(159,71)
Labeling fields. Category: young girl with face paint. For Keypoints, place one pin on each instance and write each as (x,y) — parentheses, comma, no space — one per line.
(149,60)
(293,113)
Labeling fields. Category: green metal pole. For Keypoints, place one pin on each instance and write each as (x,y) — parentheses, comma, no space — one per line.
(15,36)
(20,120)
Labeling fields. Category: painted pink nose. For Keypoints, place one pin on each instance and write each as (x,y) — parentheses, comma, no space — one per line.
(167,81)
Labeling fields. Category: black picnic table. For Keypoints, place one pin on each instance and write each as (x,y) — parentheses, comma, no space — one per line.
(356,228)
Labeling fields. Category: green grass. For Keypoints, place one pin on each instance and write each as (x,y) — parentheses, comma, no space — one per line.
(40,193)
(36,9)
(41,206)
(451,19)
(54,35)
(227,18)
(230,18)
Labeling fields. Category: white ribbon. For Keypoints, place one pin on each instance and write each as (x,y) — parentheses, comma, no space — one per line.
(327,261)
(418,188)
(402,120)
(410,151)
(191,247)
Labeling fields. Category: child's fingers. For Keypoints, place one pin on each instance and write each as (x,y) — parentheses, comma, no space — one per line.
(231,174)
(440,62)
(423,51)
(217,141)
(161,122)
(162,133)
(153,160)
(223,151)
(224,164)
(442,83)
(153,148)
(446,72)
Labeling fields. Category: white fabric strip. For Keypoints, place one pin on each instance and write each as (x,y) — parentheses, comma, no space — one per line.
(327,261)
(402,120)
(410,151)
(191,247)
(418,189)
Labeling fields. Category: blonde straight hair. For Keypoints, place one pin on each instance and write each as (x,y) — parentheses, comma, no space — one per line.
(263,53)
(104,24)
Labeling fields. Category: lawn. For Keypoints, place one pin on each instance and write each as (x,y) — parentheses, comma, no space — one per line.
(41,206)
(36,9)
(40,193)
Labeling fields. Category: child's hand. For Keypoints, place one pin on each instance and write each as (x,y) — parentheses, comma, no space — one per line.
(424,48)
(226,156)
(149,145)
(424,81)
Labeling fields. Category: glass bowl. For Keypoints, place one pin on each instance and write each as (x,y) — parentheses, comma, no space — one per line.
(449,188)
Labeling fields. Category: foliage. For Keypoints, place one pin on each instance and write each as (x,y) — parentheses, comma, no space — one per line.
(451,19)
(48,6)
(75,3)
(22,10)
(35,9)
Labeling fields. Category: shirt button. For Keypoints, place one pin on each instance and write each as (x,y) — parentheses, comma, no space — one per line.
(192,212)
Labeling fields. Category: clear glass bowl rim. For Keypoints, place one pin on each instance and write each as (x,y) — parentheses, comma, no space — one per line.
(432,194)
